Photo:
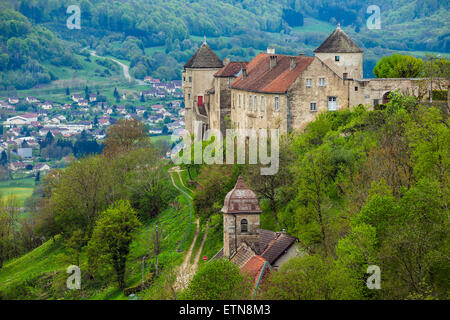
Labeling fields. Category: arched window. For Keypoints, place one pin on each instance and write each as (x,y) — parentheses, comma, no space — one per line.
(244,225)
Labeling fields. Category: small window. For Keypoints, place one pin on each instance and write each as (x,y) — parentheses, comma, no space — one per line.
(309,83)
(256,104)
(277,103)
(240,100)
(322,82)
(262,103)
(190,79)
(313,106)
(336,58)
(244,225)
(376,102)
(189,96)
(250,103)
(184,79)
(356,88)
(345,75)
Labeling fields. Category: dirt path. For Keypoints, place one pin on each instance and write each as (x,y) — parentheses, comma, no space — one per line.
(199,252)
(125,68)
(187,270)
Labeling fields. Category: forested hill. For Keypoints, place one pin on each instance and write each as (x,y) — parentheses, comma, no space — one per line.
(158,36)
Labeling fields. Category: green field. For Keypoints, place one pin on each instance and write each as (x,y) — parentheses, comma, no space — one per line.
(21,188)
(313,25)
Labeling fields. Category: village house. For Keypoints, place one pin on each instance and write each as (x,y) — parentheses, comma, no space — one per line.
(13,100)
(31,99)
(83,103)
(47,105)
(41,167)
(76,97)
(256,251)
(92,97)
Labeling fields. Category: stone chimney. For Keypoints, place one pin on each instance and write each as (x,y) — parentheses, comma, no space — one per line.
(293,62)
(226,61)
(273,62)
(270,50)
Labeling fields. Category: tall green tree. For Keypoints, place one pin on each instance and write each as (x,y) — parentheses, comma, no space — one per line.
(399,66)
(218,280)
(111,239)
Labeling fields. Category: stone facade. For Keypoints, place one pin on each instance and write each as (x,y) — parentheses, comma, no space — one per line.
(349,65)
(287,92)
(234,236)
(195,84)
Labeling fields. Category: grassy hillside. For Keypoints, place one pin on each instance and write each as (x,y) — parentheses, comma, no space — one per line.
(40,274)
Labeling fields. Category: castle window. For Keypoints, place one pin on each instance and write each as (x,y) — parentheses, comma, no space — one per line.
(240,100)
(345,75)
(336,58)
(189,96)
(256,103)
(190,79)
(356,88)
(277,103)
(262,103)
(244,225)
(313,106)
(322,82)
(309,83)
(250,102)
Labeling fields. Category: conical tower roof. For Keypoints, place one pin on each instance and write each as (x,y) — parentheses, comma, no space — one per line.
(241,199)
(338,42)
(204,58)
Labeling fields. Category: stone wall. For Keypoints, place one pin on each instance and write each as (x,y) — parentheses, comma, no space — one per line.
(202,80)
(350,63)
(246,116)
(301,96)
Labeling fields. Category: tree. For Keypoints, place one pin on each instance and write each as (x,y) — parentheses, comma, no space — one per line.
(218,280)
(111,239)
(4,158)
(124,136)
(399,66)
(301,278)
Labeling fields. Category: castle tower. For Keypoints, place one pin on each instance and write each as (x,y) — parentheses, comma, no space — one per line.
(342,55)
(241,216)
(198,77)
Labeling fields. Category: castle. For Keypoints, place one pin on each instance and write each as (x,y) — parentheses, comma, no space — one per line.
(275,91)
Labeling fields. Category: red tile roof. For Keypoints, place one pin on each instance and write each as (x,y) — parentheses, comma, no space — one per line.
(261,79)
(231,69)
(253,268)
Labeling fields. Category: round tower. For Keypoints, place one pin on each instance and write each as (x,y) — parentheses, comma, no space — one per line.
(342,55)
(198,77)
(241,218)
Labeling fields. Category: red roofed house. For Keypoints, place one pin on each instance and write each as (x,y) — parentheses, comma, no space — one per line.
(256,251)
